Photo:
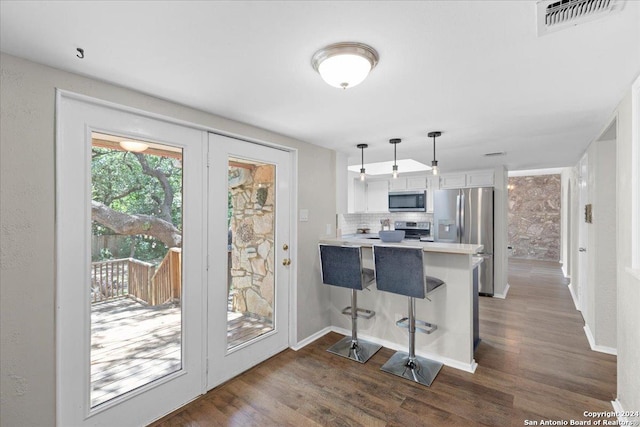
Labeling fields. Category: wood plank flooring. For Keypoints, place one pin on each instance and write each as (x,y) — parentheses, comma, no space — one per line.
(133,344)
(534,364)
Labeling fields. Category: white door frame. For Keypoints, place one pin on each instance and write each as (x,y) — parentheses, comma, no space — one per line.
(583,233)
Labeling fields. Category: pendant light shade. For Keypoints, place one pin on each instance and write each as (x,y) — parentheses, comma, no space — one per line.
(394,169)
(362,172)
(345,65)
(434,162)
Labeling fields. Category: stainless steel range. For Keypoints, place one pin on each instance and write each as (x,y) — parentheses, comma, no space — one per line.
(415,230)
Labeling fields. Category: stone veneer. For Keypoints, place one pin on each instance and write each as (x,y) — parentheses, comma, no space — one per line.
(252,247)
(534,217)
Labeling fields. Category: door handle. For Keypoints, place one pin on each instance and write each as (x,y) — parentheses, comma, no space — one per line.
(286,261)
(582,249)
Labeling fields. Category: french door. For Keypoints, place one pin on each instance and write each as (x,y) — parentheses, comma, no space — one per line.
(130,253)
(249,255)
(169,279)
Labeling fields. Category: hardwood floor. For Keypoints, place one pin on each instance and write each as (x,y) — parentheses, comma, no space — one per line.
(534,364)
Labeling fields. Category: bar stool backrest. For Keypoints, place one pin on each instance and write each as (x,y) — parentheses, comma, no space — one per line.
(400,270)
(342,266)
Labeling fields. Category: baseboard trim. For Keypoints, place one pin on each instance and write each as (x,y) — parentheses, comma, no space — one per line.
(311,338)
(599,348)
(467,367)
(503,295)
(574,296)
(622,420)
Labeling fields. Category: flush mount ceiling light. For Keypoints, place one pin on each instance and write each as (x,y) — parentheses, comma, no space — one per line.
(362,147)
(395,142)
(134,146)
(345,65)
(434,163)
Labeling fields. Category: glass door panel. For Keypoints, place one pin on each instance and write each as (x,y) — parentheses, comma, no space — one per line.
(136,264)
(251,259)
(249,256)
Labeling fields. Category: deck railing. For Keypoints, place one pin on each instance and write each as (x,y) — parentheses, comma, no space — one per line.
(109,279)
(165,284)
(138,279)
(140,273)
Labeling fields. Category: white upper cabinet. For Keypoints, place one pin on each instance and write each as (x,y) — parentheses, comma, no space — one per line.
(433,184)
(453,180)
(480,179)
(398,184)
(483,178)
(378,196)
(416,183)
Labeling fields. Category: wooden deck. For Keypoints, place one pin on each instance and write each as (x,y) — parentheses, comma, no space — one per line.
(133,344)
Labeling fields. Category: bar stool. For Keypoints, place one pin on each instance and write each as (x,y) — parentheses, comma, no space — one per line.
(400,270)
(342,266)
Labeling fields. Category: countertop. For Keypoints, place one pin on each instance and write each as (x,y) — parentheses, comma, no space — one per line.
(452,248)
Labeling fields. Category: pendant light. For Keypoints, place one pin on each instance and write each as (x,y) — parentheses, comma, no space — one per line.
(395,142)
(345,65)
(434,162)
(362,147)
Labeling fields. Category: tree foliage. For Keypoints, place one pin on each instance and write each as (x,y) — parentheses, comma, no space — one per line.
(138,195)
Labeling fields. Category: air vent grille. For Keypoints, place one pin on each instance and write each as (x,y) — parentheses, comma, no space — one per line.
(557,14)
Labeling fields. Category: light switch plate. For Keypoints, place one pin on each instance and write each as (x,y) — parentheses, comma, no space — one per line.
(304,215)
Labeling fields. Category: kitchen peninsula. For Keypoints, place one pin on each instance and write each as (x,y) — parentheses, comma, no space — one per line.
(452,308)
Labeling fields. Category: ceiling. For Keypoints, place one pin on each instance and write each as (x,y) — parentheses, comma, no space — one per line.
(475,70)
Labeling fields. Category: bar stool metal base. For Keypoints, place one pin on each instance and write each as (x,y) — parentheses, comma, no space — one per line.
(421,370)
(361,351)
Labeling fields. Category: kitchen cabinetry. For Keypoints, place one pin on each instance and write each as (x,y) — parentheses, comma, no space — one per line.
(378,196)
(483,178)
(408,183)
(433,183)
(359,196)
(480,179)
(453,180)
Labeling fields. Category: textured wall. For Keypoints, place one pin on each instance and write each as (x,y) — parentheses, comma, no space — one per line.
(534,217)
(27,196)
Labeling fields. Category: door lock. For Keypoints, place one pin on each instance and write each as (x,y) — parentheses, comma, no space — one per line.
(286,261)
(285,247)
(582,249)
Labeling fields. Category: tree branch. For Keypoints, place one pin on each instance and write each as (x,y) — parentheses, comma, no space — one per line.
(165,206)
(126,224)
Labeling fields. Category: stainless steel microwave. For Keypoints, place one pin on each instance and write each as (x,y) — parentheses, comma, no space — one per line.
(407,201)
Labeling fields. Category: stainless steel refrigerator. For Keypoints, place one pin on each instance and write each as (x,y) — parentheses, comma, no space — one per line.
(466,216)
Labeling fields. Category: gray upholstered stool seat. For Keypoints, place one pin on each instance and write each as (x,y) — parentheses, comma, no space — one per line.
(342,266)
(400,270)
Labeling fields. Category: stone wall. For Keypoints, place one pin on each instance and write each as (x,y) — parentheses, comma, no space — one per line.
(252,244)
(534,217)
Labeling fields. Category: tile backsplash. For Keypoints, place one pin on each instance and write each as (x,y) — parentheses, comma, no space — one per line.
(349,223)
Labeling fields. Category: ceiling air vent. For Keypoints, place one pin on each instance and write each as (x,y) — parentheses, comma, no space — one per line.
(554,15)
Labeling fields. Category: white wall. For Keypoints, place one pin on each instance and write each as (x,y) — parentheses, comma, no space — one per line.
(628,299)
(27,308)
(600,296)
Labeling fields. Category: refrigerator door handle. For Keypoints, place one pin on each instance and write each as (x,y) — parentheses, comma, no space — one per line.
(458,235)
(461,206)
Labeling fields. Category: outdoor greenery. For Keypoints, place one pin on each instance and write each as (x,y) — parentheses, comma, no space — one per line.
(144,187)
